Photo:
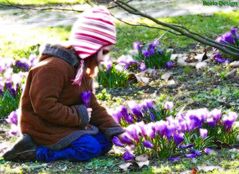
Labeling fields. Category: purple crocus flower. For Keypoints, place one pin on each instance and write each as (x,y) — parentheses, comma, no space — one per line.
(155,43)
(150,130)
(136,109)
(208,151)
(12,118)
(142,127)
(147,105)
(148,144)
(152,116)
(142,66)
(116,141)
(151,51)
(186,146)
(127,156)
(123,110)
(160,127)
(146,53)
(22,65)
(214,117)
(190,155)
(129,118)
(137,45)
(86,96)
(196,152)
(234,32)
(107,63)
(170,130)
(229,119)
(174,159)
(117,116)
(133,131)
(178,138)
(10,88)
(218,58)
(228,37)
(125,139)
(169,64)
(14,131)
(203,133)
(168,105)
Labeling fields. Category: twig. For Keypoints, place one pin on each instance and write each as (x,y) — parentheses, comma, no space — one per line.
(152,27)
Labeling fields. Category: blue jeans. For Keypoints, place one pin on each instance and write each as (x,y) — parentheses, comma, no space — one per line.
(83,149)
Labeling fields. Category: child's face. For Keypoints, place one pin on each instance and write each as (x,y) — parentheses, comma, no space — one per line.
(103,52)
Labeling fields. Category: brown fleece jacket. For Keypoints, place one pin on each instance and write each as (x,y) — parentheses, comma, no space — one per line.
(51,110)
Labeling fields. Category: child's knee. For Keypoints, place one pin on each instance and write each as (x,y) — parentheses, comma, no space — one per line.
(87,144)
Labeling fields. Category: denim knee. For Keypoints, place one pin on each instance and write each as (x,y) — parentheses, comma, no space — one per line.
(87,145)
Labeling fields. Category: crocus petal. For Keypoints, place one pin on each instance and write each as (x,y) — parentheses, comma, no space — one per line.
(116,141)
(128,156)
(196,152)
(178,138)
(148,144)
(190,155)
(86,96)
(168,105)
(174,159)
(187,146)
(203,133)
(12,118)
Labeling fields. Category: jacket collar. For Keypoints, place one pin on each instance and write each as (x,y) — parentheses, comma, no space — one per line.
(57,51)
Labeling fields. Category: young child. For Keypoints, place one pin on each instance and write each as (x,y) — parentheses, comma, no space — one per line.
(60,116)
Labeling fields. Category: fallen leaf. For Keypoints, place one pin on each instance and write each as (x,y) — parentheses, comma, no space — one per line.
(166,76)
(125,166)
(209,168)
(141,79)
(143,163)
(174,56)
(199,57)
(234,64)
(232,73)
(172,83)
(194,171)
(142,158)
(201,65)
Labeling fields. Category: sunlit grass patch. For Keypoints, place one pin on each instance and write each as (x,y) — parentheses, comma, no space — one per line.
(41,2)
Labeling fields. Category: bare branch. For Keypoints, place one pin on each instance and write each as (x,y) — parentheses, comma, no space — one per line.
(27,7)
(152,27)
(114,6)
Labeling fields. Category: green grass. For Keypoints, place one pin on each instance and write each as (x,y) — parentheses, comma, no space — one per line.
(26,41)
(20,44)
(225,159)
(41,2)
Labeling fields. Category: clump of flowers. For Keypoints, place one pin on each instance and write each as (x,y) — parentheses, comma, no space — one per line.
(12,119)
(186,134)
(112,76)
(12,77)
(152,54)
(229,38)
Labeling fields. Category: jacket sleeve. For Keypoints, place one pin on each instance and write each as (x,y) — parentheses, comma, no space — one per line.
(46,86)
(104,121)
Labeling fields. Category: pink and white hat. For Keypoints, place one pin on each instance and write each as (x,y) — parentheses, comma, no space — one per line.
(94,29)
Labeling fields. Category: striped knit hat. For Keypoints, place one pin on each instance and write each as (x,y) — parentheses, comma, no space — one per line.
(94,29)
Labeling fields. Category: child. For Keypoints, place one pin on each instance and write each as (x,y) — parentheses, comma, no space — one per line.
(56,122)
